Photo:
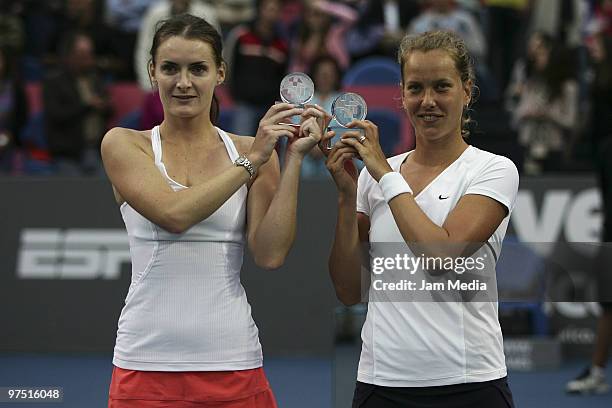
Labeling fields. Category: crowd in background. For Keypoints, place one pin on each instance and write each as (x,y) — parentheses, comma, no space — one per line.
(545,65)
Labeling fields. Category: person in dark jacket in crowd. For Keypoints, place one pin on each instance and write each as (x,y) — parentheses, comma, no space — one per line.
(76,108)
(257,58)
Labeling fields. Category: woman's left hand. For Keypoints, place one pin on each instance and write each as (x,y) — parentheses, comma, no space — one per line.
(368,146)
(315,120)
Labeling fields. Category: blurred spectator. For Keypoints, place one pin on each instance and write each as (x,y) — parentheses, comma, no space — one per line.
(506,21)
(126,15)
(322,30)
(86,16)
(11,27)
(124,18)
(232,13)
(157,12)
(601,21)
(42,22)
(257,56)
(543,100)
(327,77)
(291,11)
(600,52)
(474,7)
(76,108)
(380,27)
(13,110)
(445,15)
(563,20)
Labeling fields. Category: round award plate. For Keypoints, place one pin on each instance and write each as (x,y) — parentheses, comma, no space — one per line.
(296,88)
(347,107)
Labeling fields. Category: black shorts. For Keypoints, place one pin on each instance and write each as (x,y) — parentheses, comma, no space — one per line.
(489,394)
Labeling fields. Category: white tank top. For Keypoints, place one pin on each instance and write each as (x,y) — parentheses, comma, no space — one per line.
(186,309)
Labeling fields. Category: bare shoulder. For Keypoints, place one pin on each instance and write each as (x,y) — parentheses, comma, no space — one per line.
(119,138)
(243,143)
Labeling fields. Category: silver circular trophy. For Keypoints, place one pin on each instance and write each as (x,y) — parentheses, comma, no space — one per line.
(346,108)
(296,88)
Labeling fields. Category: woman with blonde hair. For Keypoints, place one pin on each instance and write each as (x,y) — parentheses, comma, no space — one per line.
(445,199)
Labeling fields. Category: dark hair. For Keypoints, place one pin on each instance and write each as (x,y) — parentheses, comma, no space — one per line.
(192,28)
(456,49)
(305,31)
(68,41)
(547,42)
(561,67)
(259,3)
(320,60)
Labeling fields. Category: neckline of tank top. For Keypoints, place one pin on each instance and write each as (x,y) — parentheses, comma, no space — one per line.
(230,148)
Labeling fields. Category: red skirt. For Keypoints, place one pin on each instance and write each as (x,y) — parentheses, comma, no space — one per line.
(190,389)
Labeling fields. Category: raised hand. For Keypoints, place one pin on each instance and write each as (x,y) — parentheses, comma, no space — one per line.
(314,120)
(270,131)
(367,145)
(341,166)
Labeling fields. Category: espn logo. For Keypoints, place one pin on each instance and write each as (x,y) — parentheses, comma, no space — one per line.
(72,253)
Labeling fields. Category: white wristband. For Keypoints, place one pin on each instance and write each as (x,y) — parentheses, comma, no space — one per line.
(393,184)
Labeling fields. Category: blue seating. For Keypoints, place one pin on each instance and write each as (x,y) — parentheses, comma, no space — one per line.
(389,128)
(131,120)
(226,119)
(373,71)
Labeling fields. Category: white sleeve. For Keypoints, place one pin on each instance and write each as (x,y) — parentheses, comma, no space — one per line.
(363,182)
(497,179)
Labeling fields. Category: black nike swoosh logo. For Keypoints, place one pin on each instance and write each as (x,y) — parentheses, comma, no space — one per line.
(442,198)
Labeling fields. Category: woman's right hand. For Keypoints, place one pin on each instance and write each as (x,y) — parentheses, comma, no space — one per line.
(339,163)
(270,131)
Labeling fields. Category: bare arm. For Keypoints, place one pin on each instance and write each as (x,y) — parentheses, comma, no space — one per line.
(473,220)
(134,176)
(352,228)
(272,206)
(272,215)
(347,254)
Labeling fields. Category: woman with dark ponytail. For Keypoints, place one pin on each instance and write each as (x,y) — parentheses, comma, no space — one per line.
(192,196)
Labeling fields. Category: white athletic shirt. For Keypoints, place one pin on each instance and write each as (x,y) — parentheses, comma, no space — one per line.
(422,344)
(186,309)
